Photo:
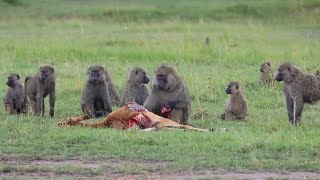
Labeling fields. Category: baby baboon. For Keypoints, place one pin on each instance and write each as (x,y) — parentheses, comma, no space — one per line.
(95,96)
(14,100)
(207,41)
(38,87)
(298,88)
(236,108)
(266,75)
(169,95)
(113,91)
(136,89)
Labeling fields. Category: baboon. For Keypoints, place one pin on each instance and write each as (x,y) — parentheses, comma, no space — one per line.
(298,88)
(95,96)
(113,90)
(236,108)
(14,101)
(266,75)
(136,89)
(37,87)
(169,95)
(207,40)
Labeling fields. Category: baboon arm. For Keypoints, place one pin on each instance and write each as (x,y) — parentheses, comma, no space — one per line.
(289,103)
(89,107)
(151,103)
(298,108)
(39,101)
(52,102)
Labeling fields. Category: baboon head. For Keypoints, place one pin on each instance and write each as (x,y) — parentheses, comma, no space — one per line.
(45,72)
(139,76)
(265,67)
(12,79)
(165,78)
(287,72)
(96,74)
(233,88)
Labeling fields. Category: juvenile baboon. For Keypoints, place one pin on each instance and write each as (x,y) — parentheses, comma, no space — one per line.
(136,89)
(14,101)
(113,90)
(298,88)
(266,75)
(207,41)
(169,96)
(38,87)
(236,107)
(95,96)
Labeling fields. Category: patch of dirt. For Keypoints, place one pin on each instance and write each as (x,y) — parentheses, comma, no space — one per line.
(124,169)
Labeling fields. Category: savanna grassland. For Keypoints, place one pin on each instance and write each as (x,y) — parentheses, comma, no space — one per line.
(71,35)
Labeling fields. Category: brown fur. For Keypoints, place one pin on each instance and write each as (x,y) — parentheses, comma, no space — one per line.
(113,90)
(169,90)
(38,87)
(266,75)
(95,97)
(298,88)
(15,101)
(236,108)
(136,89)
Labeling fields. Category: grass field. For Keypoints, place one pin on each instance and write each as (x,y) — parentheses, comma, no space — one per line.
(74,34)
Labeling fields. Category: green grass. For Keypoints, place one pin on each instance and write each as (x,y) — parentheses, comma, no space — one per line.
(72,35)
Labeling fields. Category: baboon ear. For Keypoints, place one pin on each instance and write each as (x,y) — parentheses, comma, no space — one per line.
(18,76)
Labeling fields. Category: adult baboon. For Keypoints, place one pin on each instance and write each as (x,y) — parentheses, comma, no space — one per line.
(14,101)
(38,87)
(169,95)
(298,88)
(113,90)
(136,89)
(266,75)
(236,108)
(95,96)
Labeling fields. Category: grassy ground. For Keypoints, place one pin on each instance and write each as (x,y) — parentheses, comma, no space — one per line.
(72,35)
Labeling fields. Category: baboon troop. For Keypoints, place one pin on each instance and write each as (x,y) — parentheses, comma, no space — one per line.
(298,88)
(136,89)
(113,90)
(95,96)
(266,74)
(14,100)
(236,108)
(169,96)
(37,87)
